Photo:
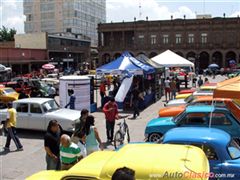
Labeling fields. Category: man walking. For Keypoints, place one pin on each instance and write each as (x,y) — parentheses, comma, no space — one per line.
(69,152)
(11,127)
(72,99)
(110,110)
(136,96)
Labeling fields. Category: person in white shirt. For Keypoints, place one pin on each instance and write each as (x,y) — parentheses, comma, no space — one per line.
(167,89)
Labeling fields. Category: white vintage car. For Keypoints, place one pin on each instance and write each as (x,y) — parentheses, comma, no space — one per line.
(35,114)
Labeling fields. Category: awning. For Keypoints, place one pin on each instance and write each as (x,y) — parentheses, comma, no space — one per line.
(171,59)
(125,63)
(228,89)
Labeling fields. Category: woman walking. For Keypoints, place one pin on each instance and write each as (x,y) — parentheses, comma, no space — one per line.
(93,141)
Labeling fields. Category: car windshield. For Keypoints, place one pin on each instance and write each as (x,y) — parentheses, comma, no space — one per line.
(50,106)
(234,149)
(8,91)
(178,118)
(189,99)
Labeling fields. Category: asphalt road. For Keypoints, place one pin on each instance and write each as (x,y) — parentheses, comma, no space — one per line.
(19,165)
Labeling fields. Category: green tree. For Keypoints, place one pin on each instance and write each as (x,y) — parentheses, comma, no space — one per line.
(7,34)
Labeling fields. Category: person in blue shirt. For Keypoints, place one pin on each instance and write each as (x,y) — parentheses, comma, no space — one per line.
(72,99)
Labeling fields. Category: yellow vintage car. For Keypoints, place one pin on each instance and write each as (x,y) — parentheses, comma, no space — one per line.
(183,96)
(8,95)
(149,161)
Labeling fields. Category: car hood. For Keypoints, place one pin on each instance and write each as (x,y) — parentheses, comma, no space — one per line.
(64,114)
(161,121)
(176,102)
(171,111)
(12,95)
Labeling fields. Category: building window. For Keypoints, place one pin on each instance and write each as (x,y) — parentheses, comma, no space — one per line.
(204,38)
(190,38)
(153,39)
(165,39)
(29,17)
(141,39)
(178,38)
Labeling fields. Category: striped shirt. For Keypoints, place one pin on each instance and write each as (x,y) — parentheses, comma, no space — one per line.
(69,154)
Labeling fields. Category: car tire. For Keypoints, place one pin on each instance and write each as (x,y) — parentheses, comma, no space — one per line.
(155,137)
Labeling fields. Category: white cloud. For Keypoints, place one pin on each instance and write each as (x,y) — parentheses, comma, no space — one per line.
(235,14)
(128,9)
(15,21)
(12,15)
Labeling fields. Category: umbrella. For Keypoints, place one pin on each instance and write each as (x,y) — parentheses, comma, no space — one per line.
(48,66)
(213,66)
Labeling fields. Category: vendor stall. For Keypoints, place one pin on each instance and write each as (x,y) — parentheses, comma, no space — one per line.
(156,82)
(175,64)
(127,68)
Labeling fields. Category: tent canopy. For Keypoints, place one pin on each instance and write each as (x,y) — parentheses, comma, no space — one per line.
(126,63)
(171,59)
(144,59)
(228,89)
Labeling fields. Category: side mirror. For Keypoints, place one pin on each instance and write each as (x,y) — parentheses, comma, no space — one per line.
(165,105)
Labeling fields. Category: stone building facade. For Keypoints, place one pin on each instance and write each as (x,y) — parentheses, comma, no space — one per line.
(203,41)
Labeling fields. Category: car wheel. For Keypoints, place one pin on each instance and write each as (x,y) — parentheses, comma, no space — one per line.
(155,137)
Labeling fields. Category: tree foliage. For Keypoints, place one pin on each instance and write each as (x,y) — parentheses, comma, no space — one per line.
(7,34)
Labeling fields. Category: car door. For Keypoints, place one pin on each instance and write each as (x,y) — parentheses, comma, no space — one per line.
(37,119)
(22,115)
(193,120)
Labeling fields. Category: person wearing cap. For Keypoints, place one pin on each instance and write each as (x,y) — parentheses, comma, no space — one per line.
(110,110)
(10,124)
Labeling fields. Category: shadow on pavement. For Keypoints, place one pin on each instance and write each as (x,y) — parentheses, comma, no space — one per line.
(30,134)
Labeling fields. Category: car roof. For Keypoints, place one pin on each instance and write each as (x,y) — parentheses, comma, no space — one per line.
(201,108)
(33,100)
(198,134)
(210,98)
(204,108)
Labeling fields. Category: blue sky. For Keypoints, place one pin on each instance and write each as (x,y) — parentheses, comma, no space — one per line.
(11,11)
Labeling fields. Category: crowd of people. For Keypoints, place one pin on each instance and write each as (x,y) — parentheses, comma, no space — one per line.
(172,86)
(63,151)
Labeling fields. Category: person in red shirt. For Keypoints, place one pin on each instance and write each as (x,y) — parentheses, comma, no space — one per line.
(110,110)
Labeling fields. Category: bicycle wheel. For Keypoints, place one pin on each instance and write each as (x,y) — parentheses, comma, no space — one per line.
(118,139)
(128,135)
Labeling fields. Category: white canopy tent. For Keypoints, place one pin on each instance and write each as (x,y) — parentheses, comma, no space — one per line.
(171,59)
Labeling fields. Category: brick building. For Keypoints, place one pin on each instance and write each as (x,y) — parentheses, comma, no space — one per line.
(203,41)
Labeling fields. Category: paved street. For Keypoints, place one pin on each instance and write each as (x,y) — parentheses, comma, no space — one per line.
(19,165)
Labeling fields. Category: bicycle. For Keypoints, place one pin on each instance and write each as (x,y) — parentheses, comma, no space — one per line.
(122,134)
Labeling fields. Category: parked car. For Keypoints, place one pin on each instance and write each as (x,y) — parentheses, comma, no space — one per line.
(40,85)
(198,116)
(222,151)
(206,89)
(189,99)
(149,161)
(8,95)
(52,81)
(187,91)
(202,100)
(35,114)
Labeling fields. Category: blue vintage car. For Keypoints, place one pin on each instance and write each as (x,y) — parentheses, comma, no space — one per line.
(194,116)
(221,150)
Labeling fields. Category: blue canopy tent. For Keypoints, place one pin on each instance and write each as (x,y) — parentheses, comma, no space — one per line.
(126,63)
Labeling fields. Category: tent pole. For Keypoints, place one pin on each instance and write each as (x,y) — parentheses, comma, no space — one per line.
(210,121)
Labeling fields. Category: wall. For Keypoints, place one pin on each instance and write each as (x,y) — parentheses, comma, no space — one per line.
(32,41)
